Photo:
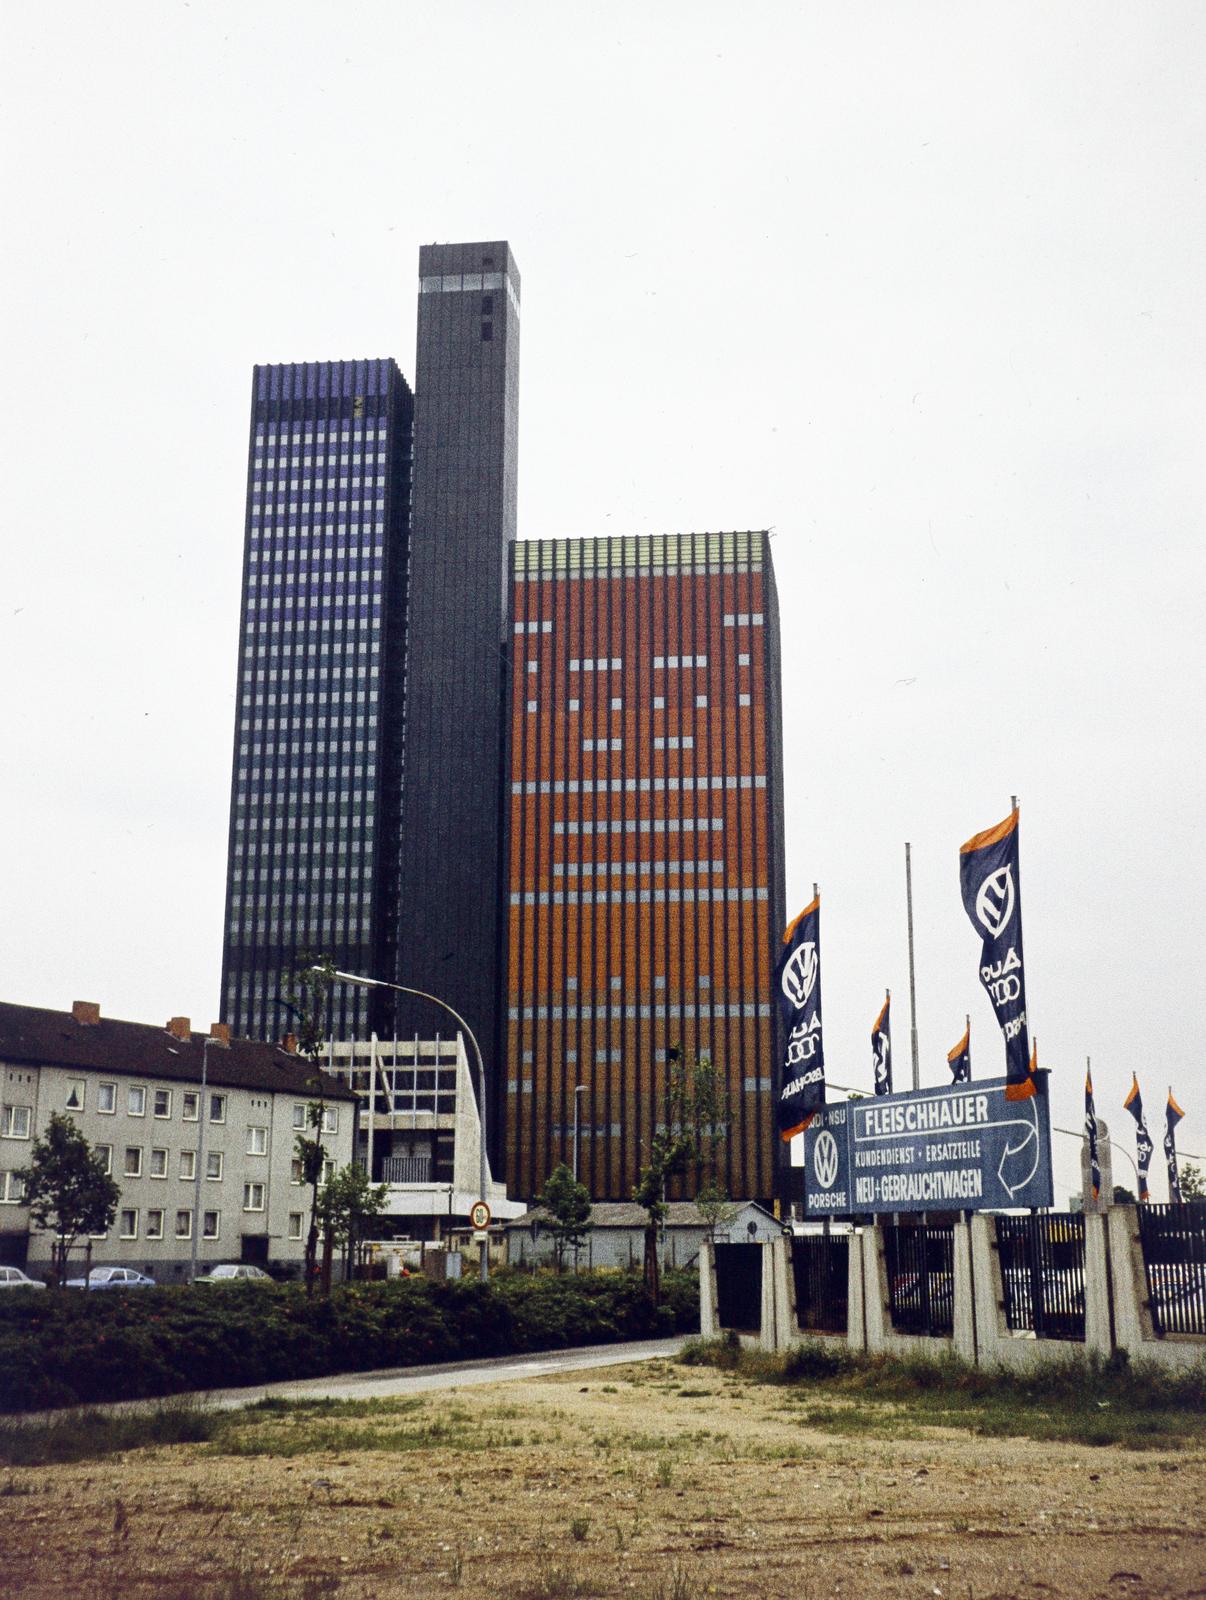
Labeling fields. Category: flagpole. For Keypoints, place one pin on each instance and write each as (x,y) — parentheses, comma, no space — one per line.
(912,975)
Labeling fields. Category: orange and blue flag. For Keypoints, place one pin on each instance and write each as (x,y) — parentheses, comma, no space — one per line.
(1143,1141)
(798,987)
(881,1047)
(1091,1136)
(1173,1115)
(959,1059)
(990,883)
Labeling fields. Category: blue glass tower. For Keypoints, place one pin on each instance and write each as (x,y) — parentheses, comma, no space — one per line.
(315,793)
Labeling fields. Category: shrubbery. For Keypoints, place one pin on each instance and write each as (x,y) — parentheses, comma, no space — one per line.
(71,1348)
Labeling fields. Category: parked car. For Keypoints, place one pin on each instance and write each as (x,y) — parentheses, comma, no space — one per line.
(112,1278)
(234,1272)
(14,1278)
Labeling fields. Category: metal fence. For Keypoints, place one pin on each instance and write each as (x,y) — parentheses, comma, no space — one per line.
(739,1286)
(1174,1255)
(819,1268)
(920,1258)
(1043,1274)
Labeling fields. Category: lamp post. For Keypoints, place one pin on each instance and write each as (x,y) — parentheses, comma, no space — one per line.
(199,1158)
(579,1088)
(422,994)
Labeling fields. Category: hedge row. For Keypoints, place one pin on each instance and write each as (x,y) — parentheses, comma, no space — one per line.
(71,1347)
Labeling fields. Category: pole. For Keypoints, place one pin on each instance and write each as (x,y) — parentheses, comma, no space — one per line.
(199,1160)
(575,1135)
(912,972)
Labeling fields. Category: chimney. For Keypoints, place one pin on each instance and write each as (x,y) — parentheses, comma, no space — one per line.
(220,1031)
(85,1012)
(289,1044)
(179,1028)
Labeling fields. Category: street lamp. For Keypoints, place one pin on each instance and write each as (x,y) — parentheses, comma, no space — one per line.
(404,988)
(580,1088)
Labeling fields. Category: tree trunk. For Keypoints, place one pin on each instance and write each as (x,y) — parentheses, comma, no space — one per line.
(653,1277)
(328,1252)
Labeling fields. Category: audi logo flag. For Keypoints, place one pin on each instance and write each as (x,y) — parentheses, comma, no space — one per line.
(798,987)
(1091,1136)
(992,898)
(959,1059)
(1143,1140)
(881,1048)
(1173,1116)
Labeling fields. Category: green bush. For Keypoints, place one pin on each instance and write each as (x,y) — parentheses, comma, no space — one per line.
(69,1348)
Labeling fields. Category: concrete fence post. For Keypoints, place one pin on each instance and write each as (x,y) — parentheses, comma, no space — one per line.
(856,1318)
(965,1342)
(875,1289)
(709,1307)
(1099,1339)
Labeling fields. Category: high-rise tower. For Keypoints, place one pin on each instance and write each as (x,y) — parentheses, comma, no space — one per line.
(462,528)
(646,889)
(313,854)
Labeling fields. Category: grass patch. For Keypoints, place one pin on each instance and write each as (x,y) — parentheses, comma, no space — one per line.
(1080,1401)
(89,1435)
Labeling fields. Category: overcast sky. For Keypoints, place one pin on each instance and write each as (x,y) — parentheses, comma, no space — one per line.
(918,286)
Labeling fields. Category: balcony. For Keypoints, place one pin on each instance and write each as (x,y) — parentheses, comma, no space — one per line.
(406,1169)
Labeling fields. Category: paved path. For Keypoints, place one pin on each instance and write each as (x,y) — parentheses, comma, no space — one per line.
(408,1380)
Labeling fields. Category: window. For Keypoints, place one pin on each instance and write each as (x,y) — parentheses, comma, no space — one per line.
(295,1224)
(189,1100)
(209,1224)
(104,1152)
(253,1197)
(75,1094)
(12,1189)
(217,1108)
(133,1166)
(188,1163)
(136,1102)
(163,1102)
(158,1167)
(155,1223)
(213,1166)
(184,1224)
(295,1170)
(328,1171)
(16,1122)
(128,1224)
(257,1141)
(487,331)
(330,1119)
(106,1098)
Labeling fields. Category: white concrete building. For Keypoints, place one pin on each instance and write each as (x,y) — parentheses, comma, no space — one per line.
(135,1092)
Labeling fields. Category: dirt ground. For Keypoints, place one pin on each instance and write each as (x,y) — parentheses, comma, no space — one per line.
(655,1481)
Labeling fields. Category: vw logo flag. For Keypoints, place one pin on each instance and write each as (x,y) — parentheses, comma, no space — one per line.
(881,1048)
(798,987)
(959,1059)
(1143,1140)
(1091,1136)
(992,898)
(1173,1115)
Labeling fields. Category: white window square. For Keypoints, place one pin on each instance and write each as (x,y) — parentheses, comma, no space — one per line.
(133,1161)
(159,1161)
(184,1224)
(701,699)
(136,1101)
(128,1223)
(253,1197)
(190,1101)
(106,1098)
(574,705)
(17,1121)
(213,1166)
(210,1221)
(257,1141)
(155,1223)
(743,699)
(299,1116)
(217,1108)
(75,1094)
(295,1225)
(188,1164)
(163,1102)
(743,658)
(617,704)
(330,1119)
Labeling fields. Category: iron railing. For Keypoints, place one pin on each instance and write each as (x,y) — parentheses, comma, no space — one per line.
(1043,1273)
(739,1286)
(406,1169)
(819,1268)
(1174,1256)
(920,1259)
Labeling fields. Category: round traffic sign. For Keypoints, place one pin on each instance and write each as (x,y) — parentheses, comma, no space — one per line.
(479,1214)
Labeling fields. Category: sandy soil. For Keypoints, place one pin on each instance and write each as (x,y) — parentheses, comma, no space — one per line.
(613,1483)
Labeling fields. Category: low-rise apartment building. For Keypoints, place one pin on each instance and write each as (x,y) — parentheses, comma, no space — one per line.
(161,1105)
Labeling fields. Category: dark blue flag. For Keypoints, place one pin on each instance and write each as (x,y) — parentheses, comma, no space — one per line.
(1091,1136)
(959,1059)
(992,898)
(881,1048)
(1143,1142)
(1173,1115)
(798,986)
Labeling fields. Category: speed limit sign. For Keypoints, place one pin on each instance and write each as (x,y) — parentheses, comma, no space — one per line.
(479,1214)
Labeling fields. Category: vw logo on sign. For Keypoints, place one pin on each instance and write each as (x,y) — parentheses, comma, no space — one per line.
(800,975)
(994,903)
(825,1159)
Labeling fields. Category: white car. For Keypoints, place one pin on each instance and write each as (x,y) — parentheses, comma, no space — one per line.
(112,1278)
(235,1272)
(14,1278)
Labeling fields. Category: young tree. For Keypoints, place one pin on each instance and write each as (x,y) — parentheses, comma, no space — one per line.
(1193,1182)
(306,997)
(695,1127)
(568,1205)
(67,1189)
(714,1206)
(346,1201)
